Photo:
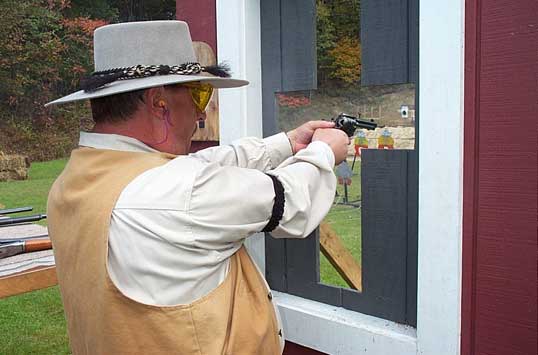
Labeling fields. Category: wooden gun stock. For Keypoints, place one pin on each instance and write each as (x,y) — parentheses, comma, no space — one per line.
(36,245)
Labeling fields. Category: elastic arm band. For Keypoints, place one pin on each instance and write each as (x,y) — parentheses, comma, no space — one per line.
(278,206)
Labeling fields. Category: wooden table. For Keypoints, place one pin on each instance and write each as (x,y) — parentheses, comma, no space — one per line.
(26,272)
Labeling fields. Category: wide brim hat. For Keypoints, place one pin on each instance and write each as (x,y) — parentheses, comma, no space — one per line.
(139,55)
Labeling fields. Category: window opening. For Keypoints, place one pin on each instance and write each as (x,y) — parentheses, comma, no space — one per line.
(339,90)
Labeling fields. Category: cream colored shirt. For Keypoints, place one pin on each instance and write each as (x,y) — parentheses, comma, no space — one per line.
(174,227)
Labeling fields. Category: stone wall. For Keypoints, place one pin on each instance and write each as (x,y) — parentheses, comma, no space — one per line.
(13,167)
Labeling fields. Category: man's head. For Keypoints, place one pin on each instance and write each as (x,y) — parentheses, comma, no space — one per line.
(149,70)
(163,117)
(116,108)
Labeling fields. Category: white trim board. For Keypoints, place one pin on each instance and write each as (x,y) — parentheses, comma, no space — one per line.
(335,330)
(339,331)
(440,204)
(238,44)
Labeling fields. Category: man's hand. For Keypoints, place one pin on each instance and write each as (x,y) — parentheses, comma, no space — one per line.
(336,139)
(301,136)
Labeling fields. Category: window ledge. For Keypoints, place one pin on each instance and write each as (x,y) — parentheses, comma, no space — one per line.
(336,330)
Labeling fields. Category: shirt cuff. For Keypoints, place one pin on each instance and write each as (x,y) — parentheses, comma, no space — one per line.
(279,148)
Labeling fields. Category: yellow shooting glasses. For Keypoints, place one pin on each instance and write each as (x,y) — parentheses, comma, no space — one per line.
(200,93)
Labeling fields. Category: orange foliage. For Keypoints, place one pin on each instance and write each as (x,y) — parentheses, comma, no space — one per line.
(84,24)
(347,60)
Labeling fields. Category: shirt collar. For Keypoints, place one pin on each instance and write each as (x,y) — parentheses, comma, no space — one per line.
(113,142)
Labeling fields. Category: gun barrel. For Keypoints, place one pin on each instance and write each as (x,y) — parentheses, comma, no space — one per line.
(25,219)
(16,210)
(365,124)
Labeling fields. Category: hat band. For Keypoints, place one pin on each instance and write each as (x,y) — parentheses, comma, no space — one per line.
(100,78)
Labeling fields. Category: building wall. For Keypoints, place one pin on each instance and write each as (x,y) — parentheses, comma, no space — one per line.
(499,313)
(201,16)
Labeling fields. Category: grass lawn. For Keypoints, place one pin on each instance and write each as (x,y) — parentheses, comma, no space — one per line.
(34,191)
(34,323)
(345,220)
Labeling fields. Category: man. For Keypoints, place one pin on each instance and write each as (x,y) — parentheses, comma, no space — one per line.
(148,239)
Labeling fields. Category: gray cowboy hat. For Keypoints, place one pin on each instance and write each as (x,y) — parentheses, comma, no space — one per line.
(138,55)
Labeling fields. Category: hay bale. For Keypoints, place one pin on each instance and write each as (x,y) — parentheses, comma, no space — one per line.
(13,167)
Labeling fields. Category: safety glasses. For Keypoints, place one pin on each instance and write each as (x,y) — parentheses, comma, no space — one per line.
(200,93)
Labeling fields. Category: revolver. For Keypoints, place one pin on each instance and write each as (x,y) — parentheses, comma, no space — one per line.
(349,124)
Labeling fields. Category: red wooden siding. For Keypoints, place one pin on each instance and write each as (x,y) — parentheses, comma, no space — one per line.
(201,16)
(499,313)
(294,349)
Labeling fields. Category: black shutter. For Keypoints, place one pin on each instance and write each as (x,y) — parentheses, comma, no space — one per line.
(298,34)
(288,45)
(389,39)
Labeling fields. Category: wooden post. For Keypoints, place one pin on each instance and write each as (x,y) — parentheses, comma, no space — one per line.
(340,257)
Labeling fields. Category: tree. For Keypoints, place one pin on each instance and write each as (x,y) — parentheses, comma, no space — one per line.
(94,9)
(325,40)
(142,10)
(346,66)
(43,56)
(345,14)
(338,41)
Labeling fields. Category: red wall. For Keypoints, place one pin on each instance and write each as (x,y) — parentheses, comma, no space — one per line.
(201,17)
(499,313)
(294,349)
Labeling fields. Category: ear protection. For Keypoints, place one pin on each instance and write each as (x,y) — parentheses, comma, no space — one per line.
(162,103)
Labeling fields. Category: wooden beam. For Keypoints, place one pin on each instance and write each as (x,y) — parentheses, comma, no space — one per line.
(340,257)
(28,280)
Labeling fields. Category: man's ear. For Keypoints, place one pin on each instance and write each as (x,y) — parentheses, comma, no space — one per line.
(154,99)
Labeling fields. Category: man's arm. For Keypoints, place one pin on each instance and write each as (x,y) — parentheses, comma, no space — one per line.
(228,204)
(262,154)
(252,153)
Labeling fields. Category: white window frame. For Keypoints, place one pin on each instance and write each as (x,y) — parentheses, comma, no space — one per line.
(335,330)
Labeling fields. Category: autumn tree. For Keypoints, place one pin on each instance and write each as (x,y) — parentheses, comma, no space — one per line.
(326,39)
(338,42)
(346,66)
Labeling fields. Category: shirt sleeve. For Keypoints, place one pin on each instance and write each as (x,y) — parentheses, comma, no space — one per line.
(253,153)
(229,203)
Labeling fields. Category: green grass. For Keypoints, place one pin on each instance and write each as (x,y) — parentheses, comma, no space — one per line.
(32,192)
(33,323)
(345,220)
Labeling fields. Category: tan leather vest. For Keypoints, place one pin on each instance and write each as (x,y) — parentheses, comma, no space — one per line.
(235,318)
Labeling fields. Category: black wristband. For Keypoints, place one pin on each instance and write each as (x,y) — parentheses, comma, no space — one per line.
(278,206)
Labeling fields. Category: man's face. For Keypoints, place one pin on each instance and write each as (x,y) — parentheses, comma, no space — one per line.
(184,116)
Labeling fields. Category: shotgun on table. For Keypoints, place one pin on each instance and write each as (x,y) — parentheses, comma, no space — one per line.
(24,219)
(18,246)
(16,210)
